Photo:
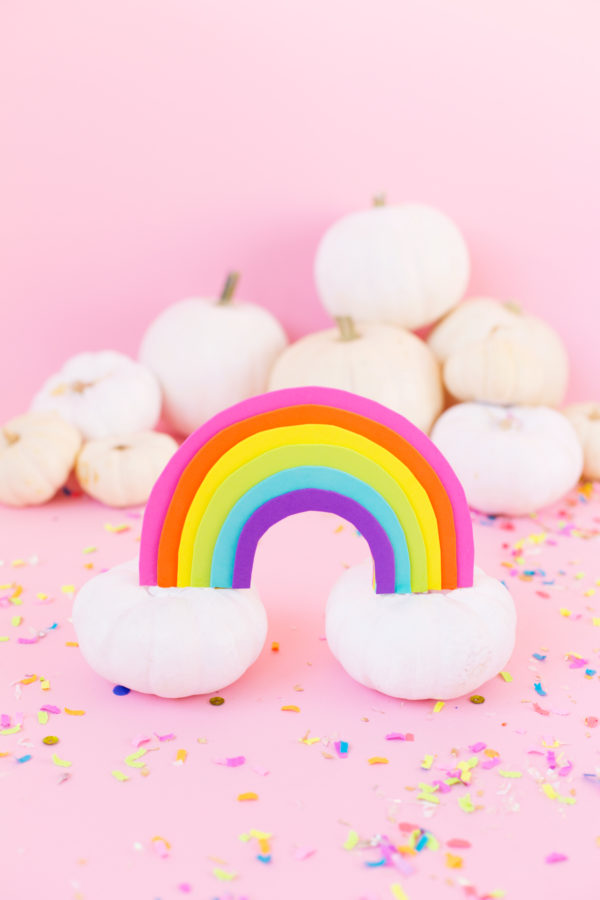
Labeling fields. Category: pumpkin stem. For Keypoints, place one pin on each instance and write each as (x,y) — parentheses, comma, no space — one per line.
(228,288)
(513,307)
(347,328)
(10,437)
(379,199)
(594,414)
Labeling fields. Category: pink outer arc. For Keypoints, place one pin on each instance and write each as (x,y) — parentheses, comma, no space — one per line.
(162,492)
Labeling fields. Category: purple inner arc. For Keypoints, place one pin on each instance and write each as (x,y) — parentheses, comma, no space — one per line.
(316,500)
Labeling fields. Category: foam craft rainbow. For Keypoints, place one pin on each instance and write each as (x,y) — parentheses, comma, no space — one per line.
(307,449)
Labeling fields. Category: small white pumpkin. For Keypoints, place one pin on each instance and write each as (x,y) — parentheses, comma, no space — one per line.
(405,264)
(495,353)
(585,419)
(512,460)
(210,354)
(438,645)
(173,642)
(102,393)
(37,452)
(121,470)
(381,362)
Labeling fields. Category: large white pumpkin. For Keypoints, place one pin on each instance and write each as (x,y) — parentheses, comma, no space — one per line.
(102,393)
(210,354)
(513,460)
(384,363)
(172,642)
(495,353)
(37,452)
(121,471)
(405,264)
(437,645)
(585,419)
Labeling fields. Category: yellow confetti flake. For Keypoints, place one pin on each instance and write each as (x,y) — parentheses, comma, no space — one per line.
(71,644)
(64,763)
(351,841)
(29,679)
(67,588)
(438,706)
(506,676)
(377,760)
(427,762)
(290,708)
(309,740)
(44,684)
(17,563)
(133,759)
(16,621)
(398,892)
(453,861)
(249,795)
(549,791)
(42,596)
(506,773)
(89,549)
(428,797)
(466,804)
(565,612)
(223,875)
(181,756)
(121,776)
(590,592)
(116,529)
(74,712)
(14,730)
(42,717)
(596,621)
(4,638)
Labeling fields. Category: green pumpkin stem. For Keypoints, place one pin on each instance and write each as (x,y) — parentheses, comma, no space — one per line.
(347,328)
(228,288)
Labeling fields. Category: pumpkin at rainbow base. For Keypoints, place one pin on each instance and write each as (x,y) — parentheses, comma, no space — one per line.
(252,465)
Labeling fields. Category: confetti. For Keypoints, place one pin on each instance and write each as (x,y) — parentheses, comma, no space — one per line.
(377,760)
(249,795)
(120,690)
(290,708)
(216,701)
(60,762)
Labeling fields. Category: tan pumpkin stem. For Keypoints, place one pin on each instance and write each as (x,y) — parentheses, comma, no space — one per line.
(594,414)
(11,437)
(228,288)
(379,200)
(121,447)
(347,328)
(513,307)
(78,387)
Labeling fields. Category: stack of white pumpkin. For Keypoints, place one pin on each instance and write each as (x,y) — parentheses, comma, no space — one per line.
(512,450)
(96,415)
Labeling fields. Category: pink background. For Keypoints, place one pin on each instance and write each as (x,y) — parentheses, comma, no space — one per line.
(149,146)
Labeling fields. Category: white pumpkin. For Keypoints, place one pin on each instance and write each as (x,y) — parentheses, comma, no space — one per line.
(121,470)
(37,452)
(585,419)
(495,353)
(405,264)
(210,354)
(438,645)
(381,362)
(173,642)
(102,393)
(512,460)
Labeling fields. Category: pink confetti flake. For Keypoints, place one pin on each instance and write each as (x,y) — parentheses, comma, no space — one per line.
(55,710)
(478,747)
(556,858)
(458,844)
(398,736)
(540,710)
(575,662)
(302,853)
(231,761)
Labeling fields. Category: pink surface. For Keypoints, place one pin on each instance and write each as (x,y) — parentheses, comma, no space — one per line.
(165,485)
(149,147)
(90,837)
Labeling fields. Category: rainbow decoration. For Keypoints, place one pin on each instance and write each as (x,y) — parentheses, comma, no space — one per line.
(307,449)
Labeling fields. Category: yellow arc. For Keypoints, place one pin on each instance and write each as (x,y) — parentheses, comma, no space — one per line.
(252,448)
